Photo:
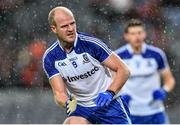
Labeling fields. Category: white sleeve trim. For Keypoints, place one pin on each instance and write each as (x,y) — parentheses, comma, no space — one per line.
(108,57)
(54,75)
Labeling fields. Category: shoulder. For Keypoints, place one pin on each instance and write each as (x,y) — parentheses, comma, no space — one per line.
(123,52)
(50,51)
(157,54)
(122,49)
(155,51)
(92,41)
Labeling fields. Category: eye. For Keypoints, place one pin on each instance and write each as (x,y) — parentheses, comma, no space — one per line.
(63,26)
(72,23)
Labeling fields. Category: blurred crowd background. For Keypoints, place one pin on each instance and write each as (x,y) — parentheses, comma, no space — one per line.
(25,35)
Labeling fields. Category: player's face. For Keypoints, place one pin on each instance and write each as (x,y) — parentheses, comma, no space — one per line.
(135,35)
(65,28)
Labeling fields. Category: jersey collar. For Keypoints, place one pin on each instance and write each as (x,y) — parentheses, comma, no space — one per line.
(75,43)
(131,51)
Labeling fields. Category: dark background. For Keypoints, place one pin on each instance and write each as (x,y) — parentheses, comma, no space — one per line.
(25,95)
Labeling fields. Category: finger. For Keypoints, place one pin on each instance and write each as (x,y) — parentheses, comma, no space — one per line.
(73,97)
(108,102)
(100,101)
(68,111)
(104,101)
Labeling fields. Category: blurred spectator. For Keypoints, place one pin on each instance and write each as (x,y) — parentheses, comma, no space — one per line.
(30,62)
(10,4)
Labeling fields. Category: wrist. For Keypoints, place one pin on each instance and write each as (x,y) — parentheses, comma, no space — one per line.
(61,104)
(112,92)
(166,88)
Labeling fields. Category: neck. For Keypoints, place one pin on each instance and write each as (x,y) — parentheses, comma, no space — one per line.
(66,46)
(137,49)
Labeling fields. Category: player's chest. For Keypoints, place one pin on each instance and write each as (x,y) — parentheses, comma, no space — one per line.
(74,64)
(139,65)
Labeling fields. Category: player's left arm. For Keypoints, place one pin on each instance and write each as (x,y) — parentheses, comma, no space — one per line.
(168,79)
(121,74)
(121,70)
(110,59)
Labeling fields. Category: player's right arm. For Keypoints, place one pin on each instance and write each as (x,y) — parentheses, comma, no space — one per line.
(56,81)
(60,95)
(58,85)
(59,90)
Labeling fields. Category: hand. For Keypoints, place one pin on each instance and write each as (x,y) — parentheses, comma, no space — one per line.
(127,98)
(160,94)
(104,98)
(71,104)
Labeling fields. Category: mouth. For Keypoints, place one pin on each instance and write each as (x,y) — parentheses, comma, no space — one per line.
(70,34)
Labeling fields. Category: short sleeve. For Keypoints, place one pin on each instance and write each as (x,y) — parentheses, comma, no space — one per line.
(162,60)
(123,53)
(49,67)
(101,50)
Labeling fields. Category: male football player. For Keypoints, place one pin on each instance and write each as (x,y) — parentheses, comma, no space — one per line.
(143,92)
(77,66)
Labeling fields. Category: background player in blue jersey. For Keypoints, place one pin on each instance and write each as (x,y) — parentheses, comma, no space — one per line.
(147,64)
(77,66)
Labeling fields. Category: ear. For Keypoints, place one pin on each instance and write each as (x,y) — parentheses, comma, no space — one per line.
(126,36)
(53,28)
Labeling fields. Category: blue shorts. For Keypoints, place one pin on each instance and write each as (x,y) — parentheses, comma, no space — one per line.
(115,113)
(158,118)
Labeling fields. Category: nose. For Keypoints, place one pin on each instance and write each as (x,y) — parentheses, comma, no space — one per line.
(70,28)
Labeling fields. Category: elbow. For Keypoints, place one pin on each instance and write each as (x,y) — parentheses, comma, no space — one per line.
(171,82)
(124,70)
(129,73)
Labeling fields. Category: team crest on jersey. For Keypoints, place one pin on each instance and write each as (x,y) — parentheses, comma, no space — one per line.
(86,59)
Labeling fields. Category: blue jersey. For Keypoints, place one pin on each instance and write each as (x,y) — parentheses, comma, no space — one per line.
(81,69)
(145,78)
